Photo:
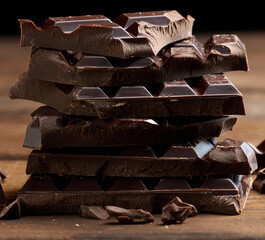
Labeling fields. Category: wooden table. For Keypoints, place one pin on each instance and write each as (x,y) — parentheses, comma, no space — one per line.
(15,116)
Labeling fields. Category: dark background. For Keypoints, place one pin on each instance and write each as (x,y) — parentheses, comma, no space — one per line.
(214,16)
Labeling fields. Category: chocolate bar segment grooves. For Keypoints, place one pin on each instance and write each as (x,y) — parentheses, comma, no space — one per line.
(70,99)
(226,201)
(101,36)
(51,129)
(184,59)
(147,161)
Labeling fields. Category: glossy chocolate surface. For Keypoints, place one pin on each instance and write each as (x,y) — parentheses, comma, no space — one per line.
(183,59)
(215,96)
(101,36)
(204,200)
(150,161)
(51,129)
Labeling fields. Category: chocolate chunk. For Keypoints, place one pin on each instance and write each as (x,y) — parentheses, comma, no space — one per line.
(129,215)
(50,129)
(184,59)
(144,162)
(96,212)
(177,211)
(101,36)
(193,211)
(227,201)
(260,154)
(60,98)
(230,150)
(259,182)
(12,211)
(171,213)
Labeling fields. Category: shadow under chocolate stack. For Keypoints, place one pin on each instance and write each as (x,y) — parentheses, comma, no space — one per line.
(132,110)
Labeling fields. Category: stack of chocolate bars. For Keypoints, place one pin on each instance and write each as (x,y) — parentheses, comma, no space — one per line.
(131,111)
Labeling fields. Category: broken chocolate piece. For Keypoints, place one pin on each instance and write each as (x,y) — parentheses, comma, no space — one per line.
(51,129)
(65,100)
(96,212)
(11,211)
(171,213)
(193,211)
(129,215)
(259,182)
(260,154)
(230,150)
(100,36)
(184,59)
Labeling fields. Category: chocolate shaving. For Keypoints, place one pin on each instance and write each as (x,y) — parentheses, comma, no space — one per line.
(177,211)
(93,212)
(129,215)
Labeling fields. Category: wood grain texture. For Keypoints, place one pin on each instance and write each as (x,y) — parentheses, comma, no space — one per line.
(15,116)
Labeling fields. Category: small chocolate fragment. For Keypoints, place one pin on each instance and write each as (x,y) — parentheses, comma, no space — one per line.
(65,99)
(259,182)
(101,36)
(11,211)
(230,150)
(260,154)
(180,203)
(171,213)
(129,215)
(96,212)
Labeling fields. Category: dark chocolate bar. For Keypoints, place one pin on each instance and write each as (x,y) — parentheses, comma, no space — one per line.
(184,59)
(209,95)
(203,158)
(141,35)
(219,195)
(51,129)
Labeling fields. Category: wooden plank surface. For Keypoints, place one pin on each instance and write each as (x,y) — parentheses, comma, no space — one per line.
(15,116)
